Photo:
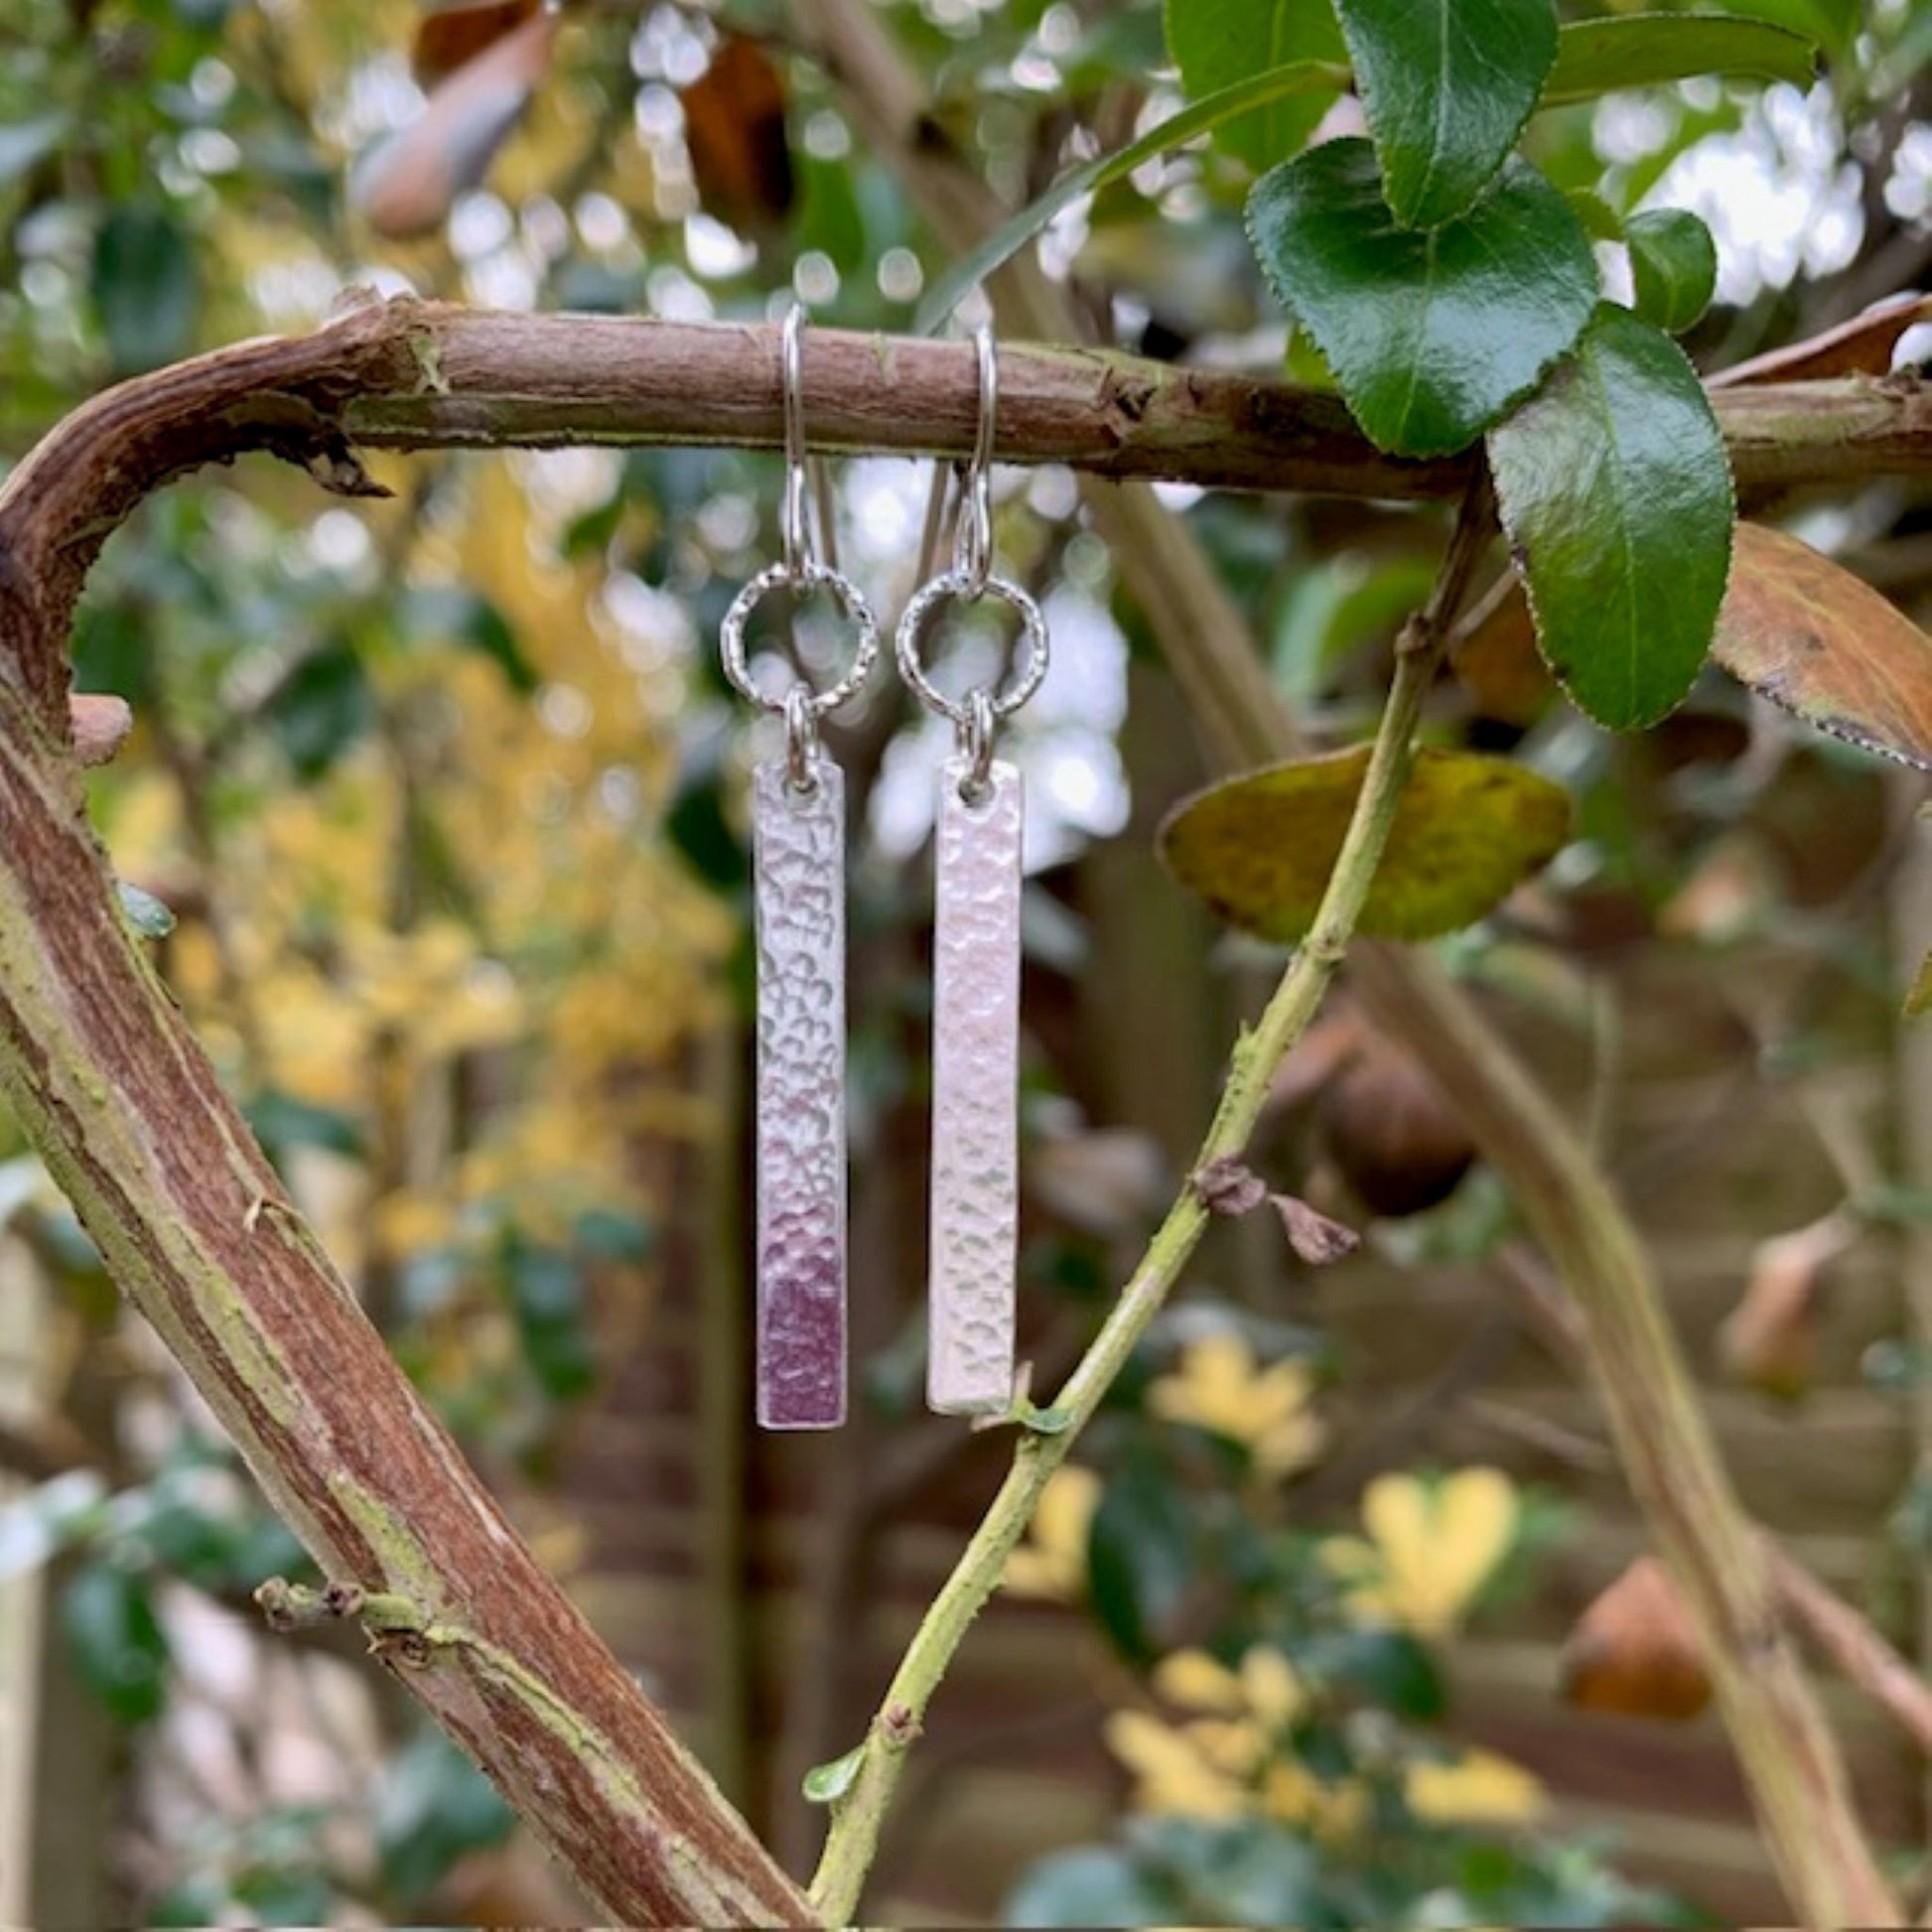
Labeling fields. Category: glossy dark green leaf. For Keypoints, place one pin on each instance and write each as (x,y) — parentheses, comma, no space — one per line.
(116,1642)
(549,1297)
(1469,829)
(1218,43)
(151,918)
(147,289)
(321,708)
(1597,56)
(1447,86)
(1432,335)
(826,1784)
(1615,491)
(1674,266)
(1199,117)
(1141,1557)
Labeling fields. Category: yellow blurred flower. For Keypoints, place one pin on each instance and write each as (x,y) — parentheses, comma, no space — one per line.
(1052,1562)
(1430,1548)
(1220,1388)
(1171,1774)
(1477,1788)
(1238,1759)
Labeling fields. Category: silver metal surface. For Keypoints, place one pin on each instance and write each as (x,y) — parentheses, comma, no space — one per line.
(975,1090)
(798,898)
(809,576)
(955,586)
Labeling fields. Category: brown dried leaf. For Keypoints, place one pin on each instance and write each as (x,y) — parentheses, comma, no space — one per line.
(1227,1185)
(1809,635)
(1312,1235)
(735,129)
(1497,661)
(1635,1651)
(407,185)
(1770,1338)
(1861,347)
(454,32)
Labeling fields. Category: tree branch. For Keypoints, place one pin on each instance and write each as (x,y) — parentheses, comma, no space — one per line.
(411,375)
(121,1103)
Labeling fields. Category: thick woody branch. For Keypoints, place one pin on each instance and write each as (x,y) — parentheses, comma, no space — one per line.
(99,1067)
(410,374)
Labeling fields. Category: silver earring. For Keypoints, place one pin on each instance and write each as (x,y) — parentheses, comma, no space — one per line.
(799,906)
(975,1204)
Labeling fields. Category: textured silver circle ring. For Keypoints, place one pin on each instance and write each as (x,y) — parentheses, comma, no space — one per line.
(807,577)
(957,587)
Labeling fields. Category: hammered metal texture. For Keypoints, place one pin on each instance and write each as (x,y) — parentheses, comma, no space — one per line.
(975,1092)
(798,895)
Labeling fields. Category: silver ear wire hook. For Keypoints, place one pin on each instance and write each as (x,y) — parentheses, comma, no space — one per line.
(973,530)
(798,554)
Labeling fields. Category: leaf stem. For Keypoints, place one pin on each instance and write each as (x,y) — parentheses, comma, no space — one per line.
(857,1818)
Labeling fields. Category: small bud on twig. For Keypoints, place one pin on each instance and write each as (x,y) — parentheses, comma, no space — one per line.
(1228,1186)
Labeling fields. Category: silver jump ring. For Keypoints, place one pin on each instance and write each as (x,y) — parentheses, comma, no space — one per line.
(808,577)
(976,745)
(1031,652)
(801,739)
(972,551)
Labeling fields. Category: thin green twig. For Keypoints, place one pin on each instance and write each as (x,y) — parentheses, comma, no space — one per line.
(858,1816)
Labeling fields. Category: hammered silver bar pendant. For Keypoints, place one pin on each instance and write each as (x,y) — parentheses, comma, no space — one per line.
(975,1221)
(798,900)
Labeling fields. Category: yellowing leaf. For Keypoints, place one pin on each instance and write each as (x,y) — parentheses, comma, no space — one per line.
(1920,999)
(1219,1388)
(1052,1562)
(1468,830)
(1270,1686)
(1478,1788)
(1809,635)
(1430,1548)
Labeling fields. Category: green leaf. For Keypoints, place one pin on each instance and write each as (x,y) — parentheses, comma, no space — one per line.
(1141,1557)
(1219,43)
(116,1642)
(1447,86)
(1469,829)
(1803,631)
(1616,493)
(1431,336)
(151,918)
(1674,264)
(146,288)
(432,1808)
(1090,1885)
(1919,1000)
(1202,117)
(549,1299)
(1597,56)
(826,1784)
(1044,1422)
(321,708)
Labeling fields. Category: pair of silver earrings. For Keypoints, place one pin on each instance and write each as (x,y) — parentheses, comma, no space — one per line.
(798,907)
